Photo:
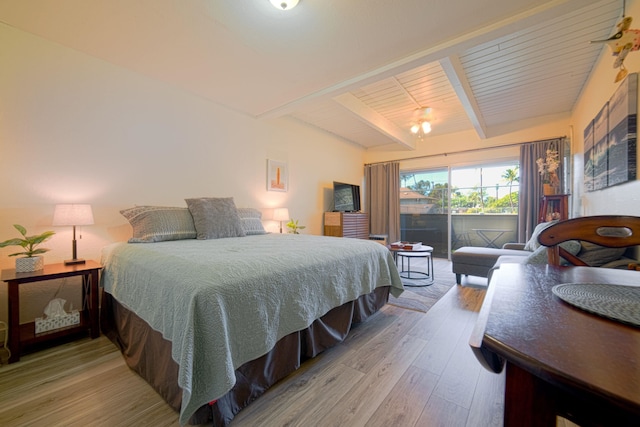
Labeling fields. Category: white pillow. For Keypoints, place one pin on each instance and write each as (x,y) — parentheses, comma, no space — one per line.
(250,221)
(159,223)
(533,243)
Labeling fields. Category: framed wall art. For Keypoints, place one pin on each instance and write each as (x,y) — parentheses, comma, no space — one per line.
(610,139)
(623,115)
(277,176)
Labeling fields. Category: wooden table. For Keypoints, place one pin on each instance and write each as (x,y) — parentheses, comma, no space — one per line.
(421,251)
(560,360)
(23,336)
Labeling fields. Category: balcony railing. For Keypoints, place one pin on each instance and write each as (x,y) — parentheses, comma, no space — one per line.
(482,230)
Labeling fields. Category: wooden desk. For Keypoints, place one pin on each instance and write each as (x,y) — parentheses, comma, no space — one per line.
(23,336)
(560,360)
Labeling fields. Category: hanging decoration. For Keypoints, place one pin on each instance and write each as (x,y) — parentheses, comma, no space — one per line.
(625,40)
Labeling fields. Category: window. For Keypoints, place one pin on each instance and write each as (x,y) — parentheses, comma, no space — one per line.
(424,192)
(483,199)
(485,189)
(424,208)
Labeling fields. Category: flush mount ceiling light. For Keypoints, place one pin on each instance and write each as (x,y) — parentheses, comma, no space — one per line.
(421,125)
(284,4)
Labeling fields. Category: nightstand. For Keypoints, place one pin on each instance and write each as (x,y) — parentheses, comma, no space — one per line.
(22,337)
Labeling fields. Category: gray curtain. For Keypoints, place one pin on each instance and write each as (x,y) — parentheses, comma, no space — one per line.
(531,182)
(382,182)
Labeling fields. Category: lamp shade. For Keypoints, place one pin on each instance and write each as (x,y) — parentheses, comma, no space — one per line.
(73,214)
(281,214)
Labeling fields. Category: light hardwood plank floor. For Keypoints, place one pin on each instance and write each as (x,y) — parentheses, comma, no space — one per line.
(400,368)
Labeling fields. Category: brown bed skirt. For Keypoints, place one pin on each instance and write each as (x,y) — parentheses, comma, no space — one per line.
(147,353)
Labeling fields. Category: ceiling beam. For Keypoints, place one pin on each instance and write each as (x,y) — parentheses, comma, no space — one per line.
(455,73)
(539,13)
(369,116)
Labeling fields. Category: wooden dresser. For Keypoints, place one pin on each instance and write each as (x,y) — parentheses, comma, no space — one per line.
(346,224)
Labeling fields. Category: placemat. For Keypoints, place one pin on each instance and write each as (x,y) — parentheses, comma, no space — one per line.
(617,302)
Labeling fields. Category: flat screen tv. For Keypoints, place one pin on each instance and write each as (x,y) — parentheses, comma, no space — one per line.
(346,197)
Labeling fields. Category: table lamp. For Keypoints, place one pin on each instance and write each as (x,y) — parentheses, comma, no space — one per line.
(281,214)
(73,214)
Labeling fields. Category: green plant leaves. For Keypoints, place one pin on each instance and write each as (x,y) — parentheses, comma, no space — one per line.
(28,243)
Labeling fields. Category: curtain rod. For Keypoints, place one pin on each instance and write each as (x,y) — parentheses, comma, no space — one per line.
(426,156)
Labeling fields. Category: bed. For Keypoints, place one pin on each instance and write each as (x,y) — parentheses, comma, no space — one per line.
(212,323)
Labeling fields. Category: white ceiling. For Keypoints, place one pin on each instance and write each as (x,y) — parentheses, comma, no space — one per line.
(355,68)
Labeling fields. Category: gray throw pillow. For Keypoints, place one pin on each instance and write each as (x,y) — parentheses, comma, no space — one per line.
(540,256)
(250,219)
(159,223)
(533,244)
(596,255)
(215,218)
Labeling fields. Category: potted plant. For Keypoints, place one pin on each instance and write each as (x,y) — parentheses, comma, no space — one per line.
(293,226)
(548,168)
(32,261)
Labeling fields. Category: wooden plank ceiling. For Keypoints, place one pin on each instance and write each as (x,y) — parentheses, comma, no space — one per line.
(519,78)
(356,69)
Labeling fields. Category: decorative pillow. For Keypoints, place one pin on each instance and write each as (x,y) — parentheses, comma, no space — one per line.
(621,263)
(215,218)
(250,221)
(596,255)
(159,223)
(539,256)
(533,244)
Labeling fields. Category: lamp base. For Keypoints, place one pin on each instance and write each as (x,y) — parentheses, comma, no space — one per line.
(74,261)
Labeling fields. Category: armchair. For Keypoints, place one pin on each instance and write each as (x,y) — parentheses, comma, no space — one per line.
(605,231)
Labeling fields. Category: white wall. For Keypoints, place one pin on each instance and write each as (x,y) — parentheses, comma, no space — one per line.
(74,128)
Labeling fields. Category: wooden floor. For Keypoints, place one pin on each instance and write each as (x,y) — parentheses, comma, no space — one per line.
(399,368)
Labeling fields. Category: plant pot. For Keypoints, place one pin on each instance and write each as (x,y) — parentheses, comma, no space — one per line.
(548,190)
(27,264)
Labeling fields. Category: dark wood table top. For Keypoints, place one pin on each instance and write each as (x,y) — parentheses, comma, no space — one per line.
(50,271)
(524,323)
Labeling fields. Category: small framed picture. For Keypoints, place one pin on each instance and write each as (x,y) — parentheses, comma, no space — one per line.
(277,176)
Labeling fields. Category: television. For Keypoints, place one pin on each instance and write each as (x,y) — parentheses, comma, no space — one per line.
(346,197)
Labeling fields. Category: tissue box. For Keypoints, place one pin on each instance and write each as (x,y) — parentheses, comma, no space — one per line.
(58,322)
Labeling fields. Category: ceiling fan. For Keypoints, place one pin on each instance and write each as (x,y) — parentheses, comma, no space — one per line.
(421,124)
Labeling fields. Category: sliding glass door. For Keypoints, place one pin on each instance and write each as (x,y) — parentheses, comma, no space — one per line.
(470,206)
(484,204)
(424,208)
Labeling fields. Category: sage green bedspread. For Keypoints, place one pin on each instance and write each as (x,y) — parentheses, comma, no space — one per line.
(224,302)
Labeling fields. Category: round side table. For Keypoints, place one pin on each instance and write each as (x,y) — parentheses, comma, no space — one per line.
(422,251)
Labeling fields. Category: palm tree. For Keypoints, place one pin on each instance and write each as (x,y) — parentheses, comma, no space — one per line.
(407,177)
(511,176)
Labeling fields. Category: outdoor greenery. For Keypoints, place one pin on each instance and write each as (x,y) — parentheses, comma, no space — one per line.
(473,200)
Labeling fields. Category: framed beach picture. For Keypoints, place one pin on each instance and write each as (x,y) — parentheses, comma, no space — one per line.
(599,154)
(610,139)
(623,108)
(277,176)
(588,157)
